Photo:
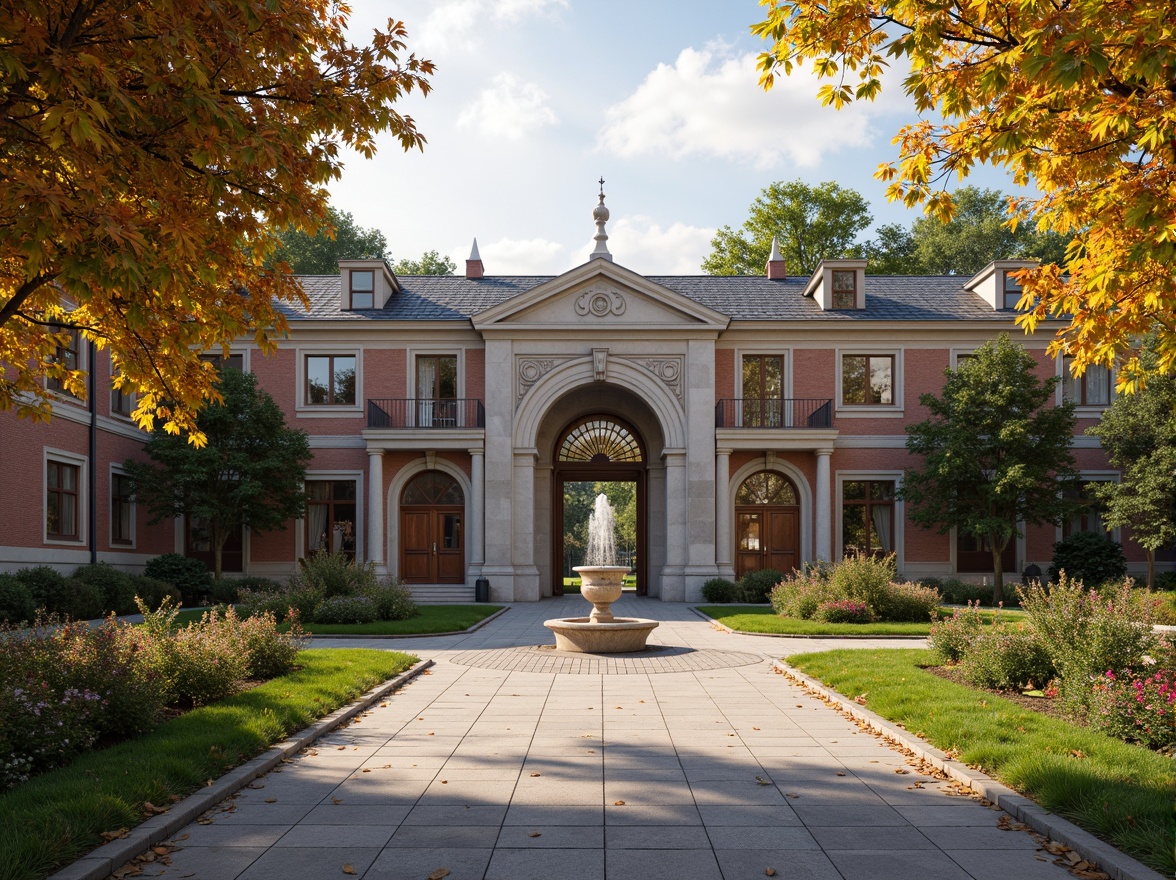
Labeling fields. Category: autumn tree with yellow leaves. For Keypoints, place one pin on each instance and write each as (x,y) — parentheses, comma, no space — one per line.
(148,153)
(1077,98)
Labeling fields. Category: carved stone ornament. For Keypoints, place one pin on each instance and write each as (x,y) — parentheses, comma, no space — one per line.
(600,301)
(667,369)
(531,370)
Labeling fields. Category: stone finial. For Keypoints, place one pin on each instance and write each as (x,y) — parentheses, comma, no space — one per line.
(474,267)
(600,215)
(777,269)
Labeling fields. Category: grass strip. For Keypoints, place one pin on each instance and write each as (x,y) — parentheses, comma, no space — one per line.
(757,618)
(428,619)
(1119,792)
(58,816)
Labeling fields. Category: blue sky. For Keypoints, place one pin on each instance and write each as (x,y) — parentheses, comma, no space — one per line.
(534,100)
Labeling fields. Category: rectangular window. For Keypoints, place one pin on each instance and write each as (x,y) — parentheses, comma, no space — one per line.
(867,379)
(867,517)
(68,356)
(330,516)
(1092,388)
(437,390)
(363,288)
(763,391)
(122,510)
(220,361)
(1012,291)
(122,402)
(61,500)
(844,289)
(330,380)
(1088,518)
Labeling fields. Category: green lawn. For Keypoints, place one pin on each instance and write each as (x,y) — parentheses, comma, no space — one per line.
(428,619)
(56,817)
(757,618)
(1120,792)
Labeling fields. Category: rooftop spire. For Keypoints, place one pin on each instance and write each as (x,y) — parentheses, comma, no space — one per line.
(474,268)
(600,215)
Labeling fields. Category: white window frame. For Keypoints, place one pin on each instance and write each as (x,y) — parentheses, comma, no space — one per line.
(117,470)
(412,353)
(304,410)
(840,478)
(871,410)
(82,463)
(83,365)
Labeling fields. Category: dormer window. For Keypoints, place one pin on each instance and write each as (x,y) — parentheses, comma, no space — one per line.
(1012,291)
(844,289)
(363,288)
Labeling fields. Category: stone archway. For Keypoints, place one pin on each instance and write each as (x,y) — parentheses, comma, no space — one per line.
(767,524)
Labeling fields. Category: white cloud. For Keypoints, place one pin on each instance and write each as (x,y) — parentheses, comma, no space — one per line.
(643,245)
(532,256)
(709,103)
(457,24)
(510,109)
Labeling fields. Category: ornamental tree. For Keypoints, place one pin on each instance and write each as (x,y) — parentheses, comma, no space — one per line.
(1075,98)
(1138,432)
(995,454)
(149,152)
(249,474)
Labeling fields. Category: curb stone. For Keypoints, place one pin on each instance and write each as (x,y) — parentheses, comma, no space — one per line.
(457,632)
(1114,862)
(101,862)
(743,632)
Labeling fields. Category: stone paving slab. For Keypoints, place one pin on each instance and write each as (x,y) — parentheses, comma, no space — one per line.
(631,768)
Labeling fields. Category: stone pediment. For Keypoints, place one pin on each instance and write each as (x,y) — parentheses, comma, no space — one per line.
(599,295)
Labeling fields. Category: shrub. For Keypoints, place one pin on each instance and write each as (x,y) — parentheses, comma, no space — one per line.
(1165,580)
(865,579)
(951,637)
(45,584)
(721,591)
(393,600)
(1006,657)
(190,576)
(154,592)
(227,591)
(1091,558)
(78,600)
(957,592)
(300,597)
(118,592)
(199,663)
(801,593)
(16,600)
(1087,632)
(843,611)
(268,652)
(42,727)
(757,586)
(1136,706)
(335,574)
(345,609)
(907,602)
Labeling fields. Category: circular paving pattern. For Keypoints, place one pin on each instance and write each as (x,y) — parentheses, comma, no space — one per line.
(654,659)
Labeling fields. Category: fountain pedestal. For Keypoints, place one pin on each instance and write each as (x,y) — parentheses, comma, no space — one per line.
(601,632)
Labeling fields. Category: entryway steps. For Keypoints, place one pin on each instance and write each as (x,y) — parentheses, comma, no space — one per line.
(442,594)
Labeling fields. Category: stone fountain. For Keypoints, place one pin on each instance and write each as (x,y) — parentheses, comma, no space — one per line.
(601,583)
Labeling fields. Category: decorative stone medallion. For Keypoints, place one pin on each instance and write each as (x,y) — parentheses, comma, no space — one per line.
(531,370)
(667,369)
(600,301)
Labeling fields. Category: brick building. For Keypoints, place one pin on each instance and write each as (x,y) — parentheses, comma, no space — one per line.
(761,418)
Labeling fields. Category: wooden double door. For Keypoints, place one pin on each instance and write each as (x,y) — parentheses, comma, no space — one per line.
(433,545)
(766,536)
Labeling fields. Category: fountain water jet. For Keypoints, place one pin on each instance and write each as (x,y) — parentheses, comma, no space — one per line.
(601,583)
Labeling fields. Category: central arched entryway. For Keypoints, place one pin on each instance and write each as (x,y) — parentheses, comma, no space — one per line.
(432,534)
(598,449)
(767,524)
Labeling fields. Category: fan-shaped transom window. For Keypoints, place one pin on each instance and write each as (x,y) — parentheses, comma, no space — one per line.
(433,487)
(600,441)
(766,487)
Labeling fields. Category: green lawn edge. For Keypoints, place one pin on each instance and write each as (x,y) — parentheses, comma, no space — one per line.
(762,619)
(429,620)
(1120,792)
(60,815)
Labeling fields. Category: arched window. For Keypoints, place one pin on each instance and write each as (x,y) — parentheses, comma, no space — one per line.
(766,487)
(432,487)
(600,441)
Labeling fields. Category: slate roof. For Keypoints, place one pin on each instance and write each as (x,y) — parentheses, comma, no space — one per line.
(750,298)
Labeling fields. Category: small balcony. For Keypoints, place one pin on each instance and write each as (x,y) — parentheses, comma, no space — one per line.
(426,413)
(775,413)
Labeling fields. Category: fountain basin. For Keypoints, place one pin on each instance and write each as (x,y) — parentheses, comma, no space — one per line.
(621,635)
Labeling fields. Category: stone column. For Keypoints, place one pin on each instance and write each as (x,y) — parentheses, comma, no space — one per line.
(823,514)
(677,526)
(723,508)
(476,528)
(375,530)
(526,576)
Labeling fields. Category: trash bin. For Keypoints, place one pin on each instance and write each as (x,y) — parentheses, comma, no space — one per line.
(482,590)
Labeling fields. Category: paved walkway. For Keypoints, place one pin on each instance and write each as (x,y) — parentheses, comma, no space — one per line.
(695,762)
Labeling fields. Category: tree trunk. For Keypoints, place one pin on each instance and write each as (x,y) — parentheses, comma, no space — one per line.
(218,536)
(997,567)
(1151,567)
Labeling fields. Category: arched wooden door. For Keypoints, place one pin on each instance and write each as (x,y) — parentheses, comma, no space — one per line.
(599,448)
(432,530)
(767,524)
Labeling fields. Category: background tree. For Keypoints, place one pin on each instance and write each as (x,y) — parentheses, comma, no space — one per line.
(149,152)
(430,263)
(1138,432)
(319,253)
(810,223)
(994,453)
(1075,98)
(250,474)
(890,252)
